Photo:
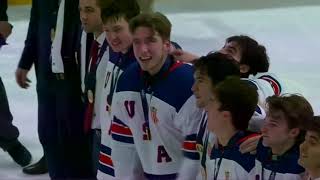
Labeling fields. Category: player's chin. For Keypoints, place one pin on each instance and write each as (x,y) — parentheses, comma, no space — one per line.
(144,66)
(200,104)
(87,28)
(116,48)
(266,141)
(302,161)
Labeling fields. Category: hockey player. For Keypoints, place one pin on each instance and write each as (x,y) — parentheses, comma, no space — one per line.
(278,150)
(115,17)
(254,64)
(229,110)
(209,71)
(310,150)
(253,59)
(151,118)
(91,70)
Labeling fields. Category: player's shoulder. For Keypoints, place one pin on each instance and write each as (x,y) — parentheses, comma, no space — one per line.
(181,74)
(130,79)
(272,79)
(176,89)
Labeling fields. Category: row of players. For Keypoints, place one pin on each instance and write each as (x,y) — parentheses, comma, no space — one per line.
(163,119)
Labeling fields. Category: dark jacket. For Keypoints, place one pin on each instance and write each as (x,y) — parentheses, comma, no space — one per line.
(37,48)
(3,10)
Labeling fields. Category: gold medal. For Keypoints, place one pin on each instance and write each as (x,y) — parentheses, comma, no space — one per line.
(109,109)
(76,58)
(148,133)
(90,96)
(199,148)
(52,34)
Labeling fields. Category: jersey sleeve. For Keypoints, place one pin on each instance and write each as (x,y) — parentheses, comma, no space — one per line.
(275,82)
(264,90)
(124,155)
(188,121)
(257,119)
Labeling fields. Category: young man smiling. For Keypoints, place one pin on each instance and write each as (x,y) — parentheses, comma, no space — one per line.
(115,18)
(150,117)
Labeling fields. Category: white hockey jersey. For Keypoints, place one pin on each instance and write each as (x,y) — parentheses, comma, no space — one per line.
(277,85)
(206,139)
(283,167)
(228,163)
(152,116)
(264,83)
(267,85)
(100,71)
(117,63)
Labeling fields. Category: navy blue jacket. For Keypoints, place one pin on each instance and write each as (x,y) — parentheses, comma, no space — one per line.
(3,10)
(38,42)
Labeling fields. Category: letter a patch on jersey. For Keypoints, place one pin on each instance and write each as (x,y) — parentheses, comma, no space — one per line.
(130,108)
(163,155)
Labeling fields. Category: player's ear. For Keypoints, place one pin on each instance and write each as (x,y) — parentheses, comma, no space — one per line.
(166,44)
(244,68)
(294,132)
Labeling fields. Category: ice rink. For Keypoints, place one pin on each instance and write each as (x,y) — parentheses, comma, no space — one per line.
(289,31)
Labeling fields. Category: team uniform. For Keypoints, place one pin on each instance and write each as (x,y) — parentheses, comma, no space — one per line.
(117,63)
(267,84)
(206,139)
(152,115)
(94,60)
(276,84)
(284,167)
(264,89)
(193,164)
(103,58)
(227,162)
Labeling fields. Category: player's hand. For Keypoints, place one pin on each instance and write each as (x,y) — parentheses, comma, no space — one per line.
(250,145)
(180,55)
(5,29)
(22,79)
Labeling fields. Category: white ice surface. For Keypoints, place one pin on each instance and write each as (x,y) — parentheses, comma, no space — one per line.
(291,36)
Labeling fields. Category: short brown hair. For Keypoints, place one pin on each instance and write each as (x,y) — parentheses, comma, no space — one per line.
(296,108)
(313,125)
(156,21)
(217,67)
(253,54)
(113,10)
(239,98)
